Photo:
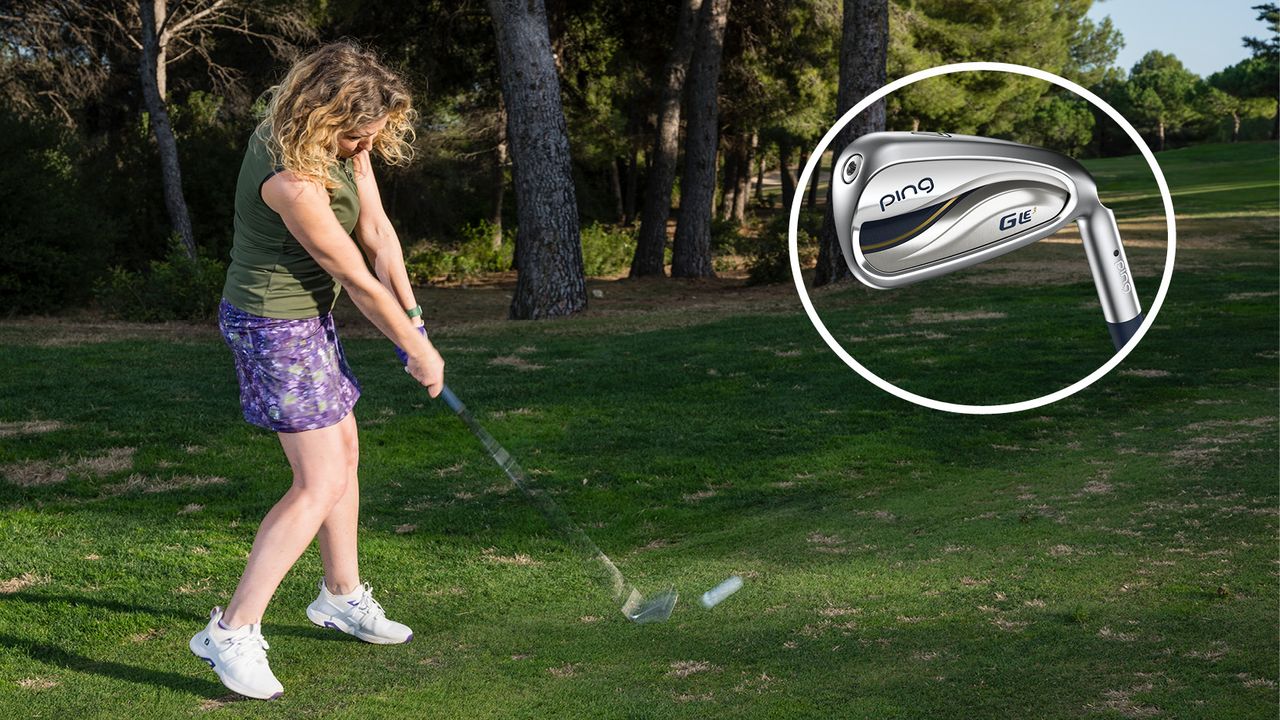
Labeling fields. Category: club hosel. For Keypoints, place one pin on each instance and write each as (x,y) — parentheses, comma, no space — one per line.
(1109,265)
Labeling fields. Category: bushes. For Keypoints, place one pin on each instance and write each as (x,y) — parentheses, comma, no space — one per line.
(606,250)
(54,235)
(176,288)
(767,256)
(474,256)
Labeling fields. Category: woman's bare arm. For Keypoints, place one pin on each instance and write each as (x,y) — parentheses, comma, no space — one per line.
(304,207)
(377,235)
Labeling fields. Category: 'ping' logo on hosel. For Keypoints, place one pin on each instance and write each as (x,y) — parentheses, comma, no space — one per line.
(1014,219)
(924,186)
(1124,275)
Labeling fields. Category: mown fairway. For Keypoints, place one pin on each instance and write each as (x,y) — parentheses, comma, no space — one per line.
(1113,555)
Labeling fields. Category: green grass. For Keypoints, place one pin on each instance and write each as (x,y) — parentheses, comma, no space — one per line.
(1112,555)
(1222,180)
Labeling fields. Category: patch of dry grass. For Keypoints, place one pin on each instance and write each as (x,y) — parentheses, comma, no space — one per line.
(21,582)
(29,427)
(685,668)
(515,361)
(38,473)
(521,559)
(140,483)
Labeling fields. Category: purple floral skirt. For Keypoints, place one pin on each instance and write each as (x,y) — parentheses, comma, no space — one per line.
(293,374)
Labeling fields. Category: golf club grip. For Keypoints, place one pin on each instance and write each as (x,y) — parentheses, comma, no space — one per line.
(450,399)
(1122,332)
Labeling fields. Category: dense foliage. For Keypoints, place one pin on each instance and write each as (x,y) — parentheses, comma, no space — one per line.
(84,174)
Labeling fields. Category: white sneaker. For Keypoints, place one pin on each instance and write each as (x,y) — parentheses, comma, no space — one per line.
(239,657)
(357,614)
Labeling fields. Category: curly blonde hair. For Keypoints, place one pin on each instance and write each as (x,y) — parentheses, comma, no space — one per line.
(334,90)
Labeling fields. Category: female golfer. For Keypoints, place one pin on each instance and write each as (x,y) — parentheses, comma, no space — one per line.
(305,197)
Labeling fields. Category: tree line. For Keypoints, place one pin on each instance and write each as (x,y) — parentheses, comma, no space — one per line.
(126,121)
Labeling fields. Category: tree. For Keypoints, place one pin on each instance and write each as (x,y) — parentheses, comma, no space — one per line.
(1217,103)
(1162,94)
(445,49)
(1108,137)
(863,52)
(151,64)
(1254,77)
(1061,121)
(72,46)
(927,33)
(55,59)
(691,251)
(550,281)
(1092,51)
(651,242)
(1268,51)
(778,86)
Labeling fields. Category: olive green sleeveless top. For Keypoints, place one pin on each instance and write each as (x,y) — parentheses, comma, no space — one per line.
(271,274)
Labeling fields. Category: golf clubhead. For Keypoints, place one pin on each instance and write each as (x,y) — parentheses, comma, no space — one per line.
(910,206)
(655,609)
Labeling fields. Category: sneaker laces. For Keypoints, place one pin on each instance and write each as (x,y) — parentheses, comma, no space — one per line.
(249,646)
(368,604)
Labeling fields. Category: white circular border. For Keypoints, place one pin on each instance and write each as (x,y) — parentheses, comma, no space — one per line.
(889,387)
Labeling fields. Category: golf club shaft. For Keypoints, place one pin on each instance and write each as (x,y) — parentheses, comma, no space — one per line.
(1111,274)
(607,572)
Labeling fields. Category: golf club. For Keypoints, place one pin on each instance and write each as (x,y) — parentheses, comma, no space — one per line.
(635,606)
(910,206)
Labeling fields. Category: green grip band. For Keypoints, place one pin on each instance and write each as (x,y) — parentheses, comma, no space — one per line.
(415,311)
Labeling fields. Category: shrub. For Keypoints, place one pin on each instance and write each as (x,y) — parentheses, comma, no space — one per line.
(726,237)
(473,256)
(607,250)
(767,256)
(427,264)
(175,288)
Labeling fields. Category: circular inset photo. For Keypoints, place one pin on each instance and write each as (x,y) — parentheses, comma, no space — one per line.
(993,260)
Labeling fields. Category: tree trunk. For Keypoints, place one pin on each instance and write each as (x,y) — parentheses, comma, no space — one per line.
(742,189)
(550,280)
(615,184)
(499,179)
(760,157)
(691,255)
(152,71)
(801,157)
(629,204)
(863,50)
(785,177)
(1159,135)
(1235,126)
(814,181)
(651,242)
(728,176)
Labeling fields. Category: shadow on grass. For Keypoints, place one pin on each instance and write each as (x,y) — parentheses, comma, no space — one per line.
(113,606)
(54,655)
(185,620)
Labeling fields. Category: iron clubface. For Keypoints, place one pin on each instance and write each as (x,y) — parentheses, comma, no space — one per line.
(910,206)
(641,610)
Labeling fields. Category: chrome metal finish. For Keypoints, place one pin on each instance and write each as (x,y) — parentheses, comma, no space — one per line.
(921,205)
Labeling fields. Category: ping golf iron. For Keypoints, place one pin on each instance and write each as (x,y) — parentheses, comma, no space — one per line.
(910,206)
(635,606)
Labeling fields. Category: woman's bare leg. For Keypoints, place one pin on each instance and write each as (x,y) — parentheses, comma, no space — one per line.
(337,536)
(320,462)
